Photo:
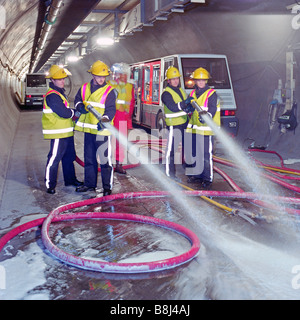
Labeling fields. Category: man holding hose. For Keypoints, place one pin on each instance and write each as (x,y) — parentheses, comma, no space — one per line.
(97,139)
(199,134)
(58,127)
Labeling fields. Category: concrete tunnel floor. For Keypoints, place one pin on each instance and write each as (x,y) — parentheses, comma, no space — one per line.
(237,259)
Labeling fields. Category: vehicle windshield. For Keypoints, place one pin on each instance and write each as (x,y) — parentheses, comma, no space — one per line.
(36,81)
(215,66)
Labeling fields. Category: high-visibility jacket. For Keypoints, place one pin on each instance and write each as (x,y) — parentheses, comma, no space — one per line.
(175,118)
(124,99)
(88,122)
(55,127)
(194,125)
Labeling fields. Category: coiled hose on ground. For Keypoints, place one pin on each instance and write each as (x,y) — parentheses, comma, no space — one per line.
(103,266)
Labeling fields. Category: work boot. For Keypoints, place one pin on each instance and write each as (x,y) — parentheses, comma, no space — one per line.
(50,191)
(76,183)
(176,179)
(85,189)
(119,168)
(106,192)
(194,179)
(206,185)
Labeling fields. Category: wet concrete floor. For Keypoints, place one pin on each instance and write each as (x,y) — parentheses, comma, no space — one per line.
(239,258)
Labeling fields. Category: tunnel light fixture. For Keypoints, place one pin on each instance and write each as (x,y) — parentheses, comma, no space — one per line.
(105,41)
(72,58)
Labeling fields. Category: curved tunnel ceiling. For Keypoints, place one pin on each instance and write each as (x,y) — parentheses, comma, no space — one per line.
(24,21)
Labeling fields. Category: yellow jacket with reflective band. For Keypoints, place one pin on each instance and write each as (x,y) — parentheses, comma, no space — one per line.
(194,125)
(124,95)
(175,118)
(88,122)
(55,127)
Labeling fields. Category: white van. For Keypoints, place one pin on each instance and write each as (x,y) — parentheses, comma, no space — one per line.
(36,87)
(148,77)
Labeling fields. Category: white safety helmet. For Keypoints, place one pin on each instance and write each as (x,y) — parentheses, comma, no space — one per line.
(120,67)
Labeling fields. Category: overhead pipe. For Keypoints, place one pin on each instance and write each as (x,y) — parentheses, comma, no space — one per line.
(50,19)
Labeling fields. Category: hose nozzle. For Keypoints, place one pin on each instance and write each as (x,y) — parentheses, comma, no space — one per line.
(197,107)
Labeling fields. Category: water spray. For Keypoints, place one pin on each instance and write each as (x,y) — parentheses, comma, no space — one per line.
(253,176)
(133,149)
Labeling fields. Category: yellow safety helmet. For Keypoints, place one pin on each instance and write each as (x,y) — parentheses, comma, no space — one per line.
(172,73)
(56,72)
(99,68)
(200,73)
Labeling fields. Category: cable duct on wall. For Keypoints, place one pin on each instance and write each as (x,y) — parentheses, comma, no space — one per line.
(50,19)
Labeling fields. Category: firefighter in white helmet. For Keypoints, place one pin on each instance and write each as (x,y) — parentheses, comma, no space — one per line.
(58,127)
(101,97)
(199,134)
(176,109)
(124,108)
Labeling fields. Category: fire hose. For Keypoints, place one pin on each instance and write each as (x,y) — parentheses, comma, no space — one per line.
(90,264)
(273,179)
(96,265)
(103,266)
(234,186)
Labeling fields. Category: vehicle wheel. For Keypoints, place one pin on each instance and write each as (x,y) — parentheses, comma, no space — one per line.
(160,121)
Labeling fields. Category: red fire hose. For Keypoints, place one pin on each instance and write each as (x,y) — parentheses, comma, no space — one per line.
(103,266)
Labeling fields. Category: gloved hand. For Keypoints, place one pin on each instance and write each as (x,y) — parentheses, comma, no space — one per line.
(201,119)
(190,109)
(76,115)
(188,100)
(201,113)
(83,110)
(100,126)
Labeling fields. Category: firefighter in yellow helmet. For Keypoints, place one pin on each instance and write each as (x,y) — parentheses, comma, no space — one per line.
(199,136)
(176,109)
(101,97)
(58,127)
(124,106)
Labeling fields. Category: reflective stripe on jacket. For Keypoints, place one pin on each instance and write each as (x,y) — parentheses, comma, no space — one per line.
(175,118)
(194,125)
(88,122)
(124,95)
(55,127)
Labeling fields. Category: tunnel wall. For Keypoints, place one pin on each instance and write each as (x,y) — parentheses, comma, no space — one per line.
(8,122)
(16,39)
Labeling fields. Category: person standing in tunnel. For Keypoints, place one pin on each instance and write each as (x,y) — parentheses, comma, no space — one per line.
(58,127)
(176,109)
(97,139)
(124,108)
(198,134)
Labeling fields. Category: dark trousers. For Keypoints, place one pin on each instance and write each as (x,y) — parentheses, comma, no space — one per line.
(60,150)
(199,156)
(175,137)
(97,148)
